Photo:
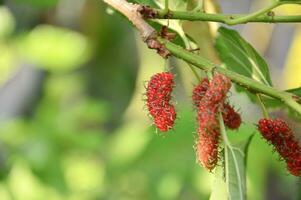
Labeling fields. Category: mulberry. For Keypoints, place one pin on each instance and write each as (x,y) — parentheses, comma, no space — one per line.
(199,92)
(207,149)
(231,118)
(279,134)
(158,93)
(209,132)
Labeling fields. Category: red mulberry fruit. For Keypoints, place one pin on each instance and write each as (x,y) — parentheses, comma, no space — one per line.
(278,133)
(231,118)
(209,132)
(207,148)
(199,92)
(218,89)
(158,93)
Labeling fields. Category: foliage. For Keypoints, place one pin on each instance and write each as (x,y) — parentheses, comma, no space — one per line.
(81,132)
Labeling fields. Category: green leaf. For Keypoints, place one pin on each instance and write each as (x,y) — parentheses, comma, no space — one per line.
(239,56)
(290,1)
(231,182)
(235,156)
(295,91)
(235,169)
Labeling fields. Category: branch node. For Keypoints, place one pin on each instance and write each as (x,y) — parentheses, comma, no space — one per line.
(168,14)
(153,43)
(147,12)
(167,35)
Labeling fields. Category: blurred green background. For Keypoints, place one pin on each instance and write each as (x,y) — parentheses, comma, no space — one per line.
(73,121)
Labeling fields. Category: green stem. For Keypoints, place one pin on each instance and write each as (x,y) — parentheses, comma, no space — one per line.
(226,145)
(262,106)
(247,18)
(166,8)
(194,72)
(248,83)
(225,18)
(188,45)
(209,75)
(166,65)
(223,130)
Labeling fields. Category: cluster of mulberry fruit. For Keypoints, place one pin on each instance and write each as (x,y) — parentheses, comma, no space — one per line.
(280,135)
(210,97)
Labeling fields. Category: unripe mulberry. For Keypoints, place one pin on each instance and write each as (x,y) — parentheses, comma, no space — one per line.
(279,134)
(209,131)
(158,93)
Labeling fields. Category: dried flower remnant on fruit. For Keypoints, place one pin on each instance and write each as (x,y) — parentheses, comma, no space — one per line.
(158,93)
(209,131)
(279,134)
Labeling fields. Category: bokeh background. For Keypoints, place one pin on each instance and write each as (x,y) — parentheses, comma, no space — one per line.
(72,115)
